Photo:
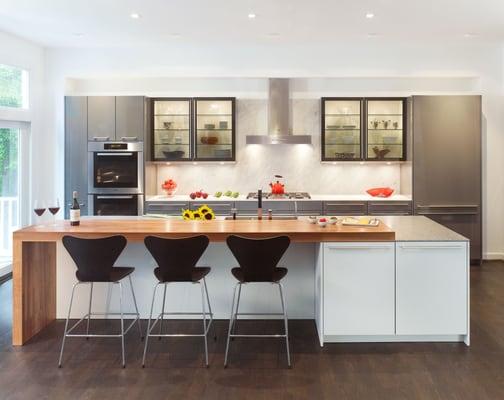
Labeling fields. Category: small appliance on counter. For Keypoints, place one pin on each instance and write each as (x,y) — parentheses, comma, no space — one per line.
(277,188)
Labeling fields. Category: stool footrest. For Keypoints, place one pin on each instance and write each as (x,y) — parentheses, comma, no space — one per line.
(67,334)
(258,336)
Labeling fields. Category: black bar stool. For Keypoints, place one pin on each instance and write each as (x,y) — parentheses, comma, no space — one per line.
(95,260)
(176,260)
(258,259)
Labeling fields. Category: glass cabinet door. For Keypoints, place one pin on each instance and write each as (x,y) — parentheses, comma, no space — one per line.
(172,129)
(214,139)
(385,129)
(341,130)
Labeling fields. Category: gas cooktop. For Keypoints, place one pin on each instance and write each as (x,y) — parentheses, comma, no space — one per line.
(287,196)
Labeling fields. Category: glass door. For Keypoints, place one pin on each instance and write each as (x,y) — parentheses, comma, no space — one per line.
(172,130)
(215,129)
(385,129)
(341,129)
(10,204)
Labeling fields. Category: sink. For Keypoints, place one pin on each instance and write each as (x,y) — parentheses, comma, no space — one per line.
(254,218)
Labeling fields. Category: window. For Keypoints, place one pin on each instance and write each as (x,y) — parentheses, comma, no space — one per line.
(13,87)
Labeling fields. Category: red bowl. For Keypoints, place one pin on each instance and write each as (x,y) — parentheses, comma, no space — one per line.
(380,192)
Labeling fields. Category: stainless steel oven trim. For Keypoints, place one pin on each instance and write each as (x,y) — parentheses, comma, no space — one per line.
(140,200)
(97,147)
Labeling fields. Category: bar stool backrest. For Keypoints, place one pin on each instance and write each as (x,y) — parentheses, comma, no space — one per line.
(258,257)
(176,258)
(94,258)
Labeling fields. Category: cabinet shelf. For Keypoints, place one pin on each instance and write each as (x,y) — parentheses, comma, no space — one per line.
(214,115)
(178,129)
(171,115)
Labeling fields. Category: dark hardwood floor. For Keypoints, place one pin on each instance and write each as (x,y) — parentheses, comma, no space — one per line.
(257,367)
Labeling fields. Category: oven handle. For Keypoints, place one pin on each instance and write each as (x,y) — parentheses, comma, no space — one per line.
(101,138)
(129,138)
(114,154)
(113,197)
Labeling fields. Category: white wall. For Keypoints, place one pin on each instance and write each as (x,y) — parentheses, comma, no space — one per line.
(21,53)
(367,69)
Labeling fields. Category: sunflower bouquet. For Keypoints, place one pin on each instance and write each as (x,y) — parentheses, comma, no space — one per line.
(204,213)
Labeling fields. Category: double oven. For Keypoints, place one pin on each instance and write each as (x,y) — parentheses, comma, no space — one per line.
(115,178)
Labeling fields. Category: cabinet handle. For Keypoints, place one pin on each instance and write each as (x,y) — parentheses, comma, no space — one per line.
(168,204)
(213,205)
(114,197)
(345,204)
(448,206)
(430,247)
(129,138)
(101,138)
(121,154)
(360,248)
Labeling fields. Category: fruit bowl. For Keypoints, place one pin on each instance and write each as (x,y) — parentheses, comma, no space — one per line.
(170,187)
(170,192)
(380,192)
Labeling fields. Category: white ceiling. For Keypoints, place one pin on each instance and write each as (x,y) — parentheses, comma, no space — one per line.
(107,23)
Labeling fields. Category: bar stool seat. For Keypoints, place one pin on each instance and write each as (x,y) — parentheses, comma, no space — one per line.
(95,259)
(115,275)
(176,260)
(278,274)
(197,274)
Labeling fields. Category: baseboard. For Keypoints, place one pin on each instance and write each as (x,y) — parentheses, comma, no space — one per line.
(493,256)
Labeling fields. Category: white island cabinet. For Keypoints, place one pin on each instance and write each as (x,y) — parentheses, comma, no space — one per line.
(415,289)
(431,288)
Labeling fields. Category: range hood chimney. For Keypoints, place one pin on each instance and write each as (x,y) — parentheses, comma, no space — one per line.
(279,129)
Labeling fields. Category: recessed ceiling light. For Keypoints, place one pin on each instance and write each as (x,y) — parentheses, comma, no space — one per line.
(369,15)
(135,15)
(251,15)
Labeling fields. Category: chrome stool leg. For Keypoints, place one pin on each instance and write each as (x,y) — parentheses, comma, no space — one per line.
(89,310)
(66,324)
(235,320)
(230,325)
(209,306)
(203,309)
(149,325)
(136,307)
(284,310)
(162,313)
(122,323)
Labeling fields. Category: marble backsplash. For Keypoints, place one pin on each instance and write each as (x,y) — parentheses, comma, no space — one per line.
(256,164)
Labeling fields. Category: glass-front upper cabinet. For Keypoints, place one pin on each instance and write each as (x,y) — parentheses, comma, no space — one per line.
(171,123)
(215,133)
(341,129)
(386,120)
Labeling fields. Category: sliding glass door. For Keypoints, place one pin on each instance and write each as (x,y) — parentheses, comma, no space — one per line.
(9,190)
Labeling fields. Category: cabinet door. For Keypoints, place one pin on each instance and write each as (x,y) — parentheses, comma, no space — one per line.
(389,208)
(359,288)
(341,129)
(278,207)
(432,288)
(130,118)
(101,118)
(345,208)
(386,127)
(166,207)
(75,151)
(219,207)
(214,136)
(308,207)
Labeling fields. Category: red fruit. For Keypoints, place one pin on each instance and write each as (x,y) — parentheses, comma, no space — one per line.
(192,196)
(204,195)
(323,220)
(198,194)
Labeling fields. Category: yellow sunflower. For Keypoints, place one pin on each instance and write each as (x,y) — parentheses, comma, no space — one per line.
(187,215)
(204,209)
(209,215)
(197,215)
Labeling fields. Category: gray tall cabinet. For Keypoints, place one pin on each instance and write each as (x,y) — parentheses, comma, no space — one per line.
(92,118)
(447,164)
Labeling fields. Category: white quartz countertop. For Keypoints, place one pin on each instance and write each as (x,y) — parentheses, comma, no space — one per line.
(419,228)
(314,197)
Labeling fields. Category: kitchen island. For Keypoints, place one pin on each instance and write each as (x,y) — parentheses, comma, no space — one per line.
(345,278)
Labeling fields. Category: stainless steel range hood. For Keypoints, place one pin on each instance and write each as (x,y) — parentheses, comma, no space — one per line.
(279,129)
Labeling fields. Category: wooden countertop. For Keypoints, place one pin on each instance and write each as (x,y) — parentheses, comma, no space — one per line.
(135,229)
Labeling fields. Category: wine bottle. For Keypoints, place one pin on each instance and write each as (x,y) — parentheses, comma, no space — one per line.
(75,211)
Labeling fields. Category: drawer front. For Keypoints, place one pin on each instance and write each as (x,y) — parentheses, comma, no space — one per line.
(219,207)
(390,208)
(310,207)
(345,208)
(278,207)
(169,208)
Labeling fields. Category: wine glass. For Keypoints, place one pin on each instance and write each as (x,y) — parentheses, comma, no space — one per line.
(53,208)
(39,208)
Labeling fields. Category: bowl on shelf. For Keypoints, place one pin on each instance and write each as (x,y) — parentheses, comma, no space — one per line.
(167,125)
(333,220)
(173,155)
(322,222)
(209,126)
